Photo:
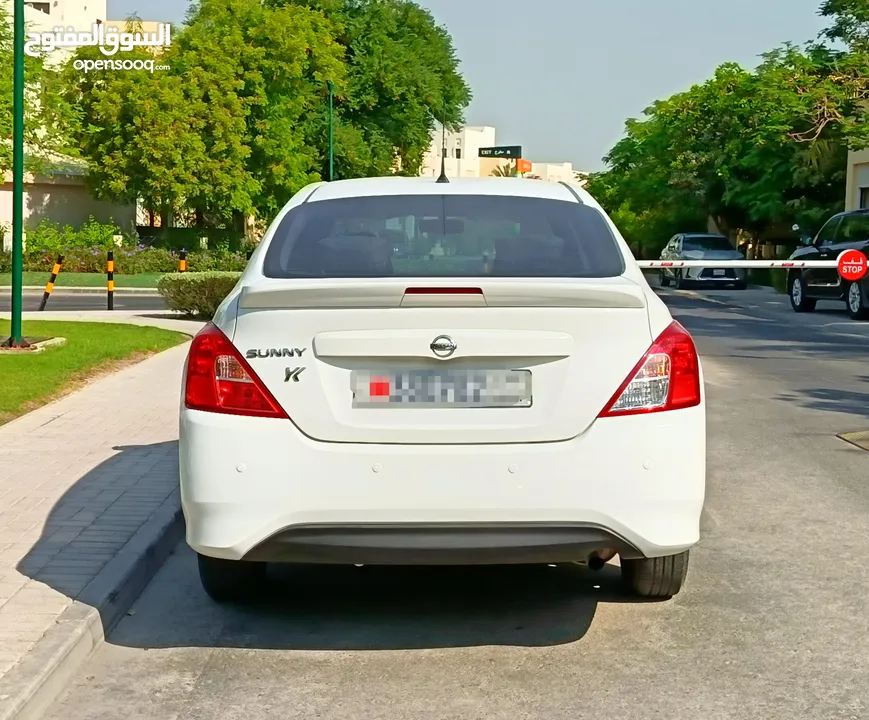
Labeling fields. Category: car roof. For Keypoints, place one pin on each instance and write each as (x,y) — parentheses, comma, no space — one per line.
(859,211)
(396,185)
(704,235)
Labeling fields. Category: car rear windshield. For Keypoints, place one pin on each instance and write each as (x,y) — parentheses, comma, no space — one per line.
(443,236)
(708,242)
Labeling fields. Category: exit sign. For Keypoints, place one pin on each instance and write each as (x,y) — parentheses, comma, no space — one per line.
(510,152)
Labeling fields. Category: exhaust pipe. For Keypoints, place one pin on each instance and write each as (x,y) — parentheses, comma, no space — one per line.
(599,558)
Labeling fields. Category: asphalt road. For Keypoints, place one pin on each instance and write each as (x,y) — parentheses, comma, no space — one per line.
(78,302)
(773,623)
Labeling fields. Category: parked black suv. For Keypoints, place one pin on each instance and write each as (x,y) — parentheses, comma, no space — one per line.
(845,231)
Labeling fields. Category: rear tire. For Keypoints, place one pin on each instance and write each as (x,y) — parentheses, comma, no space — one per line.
(228,581)
(740,286)
(855,302)
(663,279)
(797,294)
(660,577)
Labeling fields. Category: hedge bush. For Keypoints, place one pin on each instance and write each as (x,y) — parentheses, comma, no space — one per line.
(180,238)
(84,250)
(196,293)
(53,239)
(128,261)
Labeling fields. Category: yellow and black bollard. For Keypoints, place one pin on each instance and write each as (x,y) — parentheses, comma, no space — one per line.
(110,279)
(55,271)
(182,261)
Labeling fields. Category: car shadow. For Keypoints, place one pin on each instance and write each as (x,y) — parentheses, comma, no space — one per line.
(375,608)
(96,518)
(301,607)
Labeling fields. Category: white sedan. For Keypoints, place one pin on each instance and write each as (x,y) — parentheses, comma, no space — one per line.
(413,372)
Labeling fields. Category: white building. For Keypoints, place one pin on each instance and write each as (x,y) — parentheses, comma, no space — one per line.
(78,14)
(554,172)
(44,16)
(462,158)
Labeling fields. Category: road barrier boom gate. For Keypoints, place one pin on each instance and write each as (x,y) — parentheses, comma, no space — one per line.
(737,264)
(851,264)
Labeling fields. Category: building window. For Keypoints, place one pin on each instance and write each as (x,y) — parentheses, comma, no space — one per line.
(864,198)
(458,153)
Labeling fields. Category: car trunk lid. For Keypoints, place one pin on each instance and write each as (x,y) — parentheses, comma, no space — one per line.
(443,362)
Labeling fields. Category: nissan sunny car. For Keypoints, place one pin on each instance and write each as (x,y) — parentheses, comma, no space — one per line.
(506,389)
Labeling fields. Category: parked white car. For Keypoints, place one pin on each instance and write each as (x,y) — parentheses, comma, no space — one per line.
(507,389)
(702,246)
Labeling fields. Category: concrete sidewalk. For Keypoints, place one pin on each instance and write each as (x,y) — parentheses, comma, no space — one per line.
(89,510)
(163,319)
(70,290)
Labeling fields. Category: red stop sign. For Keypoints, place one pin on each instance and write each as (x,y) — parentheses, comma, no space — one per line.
(852,265)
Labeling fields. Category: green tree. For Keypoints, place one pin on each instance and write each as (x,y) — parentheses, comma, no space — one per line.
(224,132)
(240,120)
(258,75)
(402,79)
(753,150)
(508,170)
(48,116)
(850,22)
(138,131)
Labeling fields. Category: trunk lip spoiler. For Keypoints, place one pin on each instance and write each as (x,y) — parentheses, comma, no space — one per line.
(268,293)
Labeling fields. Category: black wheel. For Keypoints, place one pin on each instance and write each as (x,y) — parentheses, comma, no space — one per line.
(856,302)
(740,286)
(663,279)
(680,282)
(660,577)
(797,293)
(230,580)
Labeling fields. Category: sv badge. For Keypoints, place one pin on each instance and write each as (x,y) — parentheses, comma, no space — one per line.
(293,374)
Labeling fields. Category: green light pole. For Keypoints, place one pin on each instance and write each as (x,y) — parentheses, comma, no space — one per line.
(331,130)
(16,338)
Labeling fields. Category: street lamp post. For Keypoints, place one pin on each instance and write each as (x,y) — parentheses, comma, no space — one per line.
(16,338)
(331,131)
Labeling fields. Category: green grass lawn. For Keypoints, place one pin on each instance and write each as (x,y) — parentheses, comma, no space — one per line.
(71,279)
(30,380)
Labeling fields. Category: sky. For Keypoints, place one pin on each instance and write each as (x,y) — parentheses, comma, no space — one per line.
(560,77)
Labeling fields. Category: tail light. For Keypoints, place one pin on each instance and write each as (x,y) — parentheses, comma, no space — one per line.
(219,380)
(666,378)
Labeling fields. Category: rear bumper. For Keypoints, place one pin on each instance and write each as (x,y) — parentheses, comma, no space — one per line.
(706,276)
(258,489)
(439,544)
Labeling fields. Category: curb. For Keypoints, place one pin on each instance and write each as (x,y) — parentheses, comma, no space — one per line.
(61,290)
(29,689)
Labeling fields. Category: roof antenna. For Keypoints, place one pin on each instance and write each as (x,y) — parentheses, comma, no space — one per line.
(443,178)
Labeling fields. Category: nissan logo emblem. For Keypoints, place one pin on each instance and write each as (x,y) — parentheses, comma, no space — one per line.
(443,346)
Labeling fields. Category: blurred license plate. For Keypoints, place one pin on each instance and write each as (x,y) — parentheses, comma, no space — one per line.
(719,273)
(442,388)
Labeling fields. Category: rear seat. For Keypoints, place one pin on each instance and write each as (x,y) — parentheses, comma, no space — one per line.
(517,254)
(352,255)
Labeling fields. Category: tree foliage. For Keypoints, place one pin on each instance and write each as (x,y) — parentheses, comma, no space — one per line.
(47,113)
(240,120)
(850,22)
